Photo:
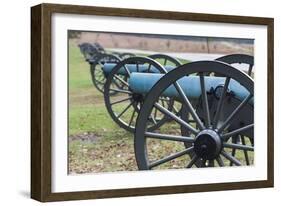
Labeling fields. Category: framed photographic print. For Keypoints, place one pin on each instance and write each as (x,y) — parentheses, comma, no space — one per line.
(130,102)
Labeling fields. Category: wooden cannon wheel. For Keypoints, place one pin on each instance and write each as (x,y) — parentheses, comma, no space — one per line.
(239,59)
(97,74)
(165,60)
(209,134)
(124,107)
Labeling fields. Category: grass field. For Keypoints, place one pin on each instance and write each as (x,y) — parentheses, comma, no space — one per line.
(96,142)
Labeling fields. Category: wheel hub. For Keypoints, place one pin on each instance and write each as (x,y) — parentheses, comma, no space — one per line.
(137,97)
(207,144)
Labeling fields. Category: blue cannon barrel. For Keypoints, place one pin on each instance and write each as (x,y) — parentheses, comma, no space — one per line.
(108,67)
(141,83)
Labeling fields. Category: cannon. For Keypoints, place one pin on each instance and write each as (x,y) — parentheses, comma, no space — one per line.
(141,83)
(96,56)
(99,47)
(109,61)
(96,65)
(124,106)
(216,96)
(118,75)
(89,51)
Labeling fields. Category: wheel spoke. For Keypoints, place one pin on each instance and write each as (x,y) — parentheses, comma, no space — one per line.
(163,103)
(127,70)
(121,80)
(152,118)
(170,157)
(120,101)
(245,152)
(169,137)
(176,118)
(165,62)
(238,146)
(116,84)
(192,161)
(121,91)
(233,152)
(175,109)
(101,87)
(250,69)
(98,69)
(149,67)
(125,109)
(205,101)
(211,163)
(237,131)
(155,113)
(231,158)
(220,103)
(189,106)
(234,113)
(100,82)
(219,161)
(99,75)
(164,99)
(132,117)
